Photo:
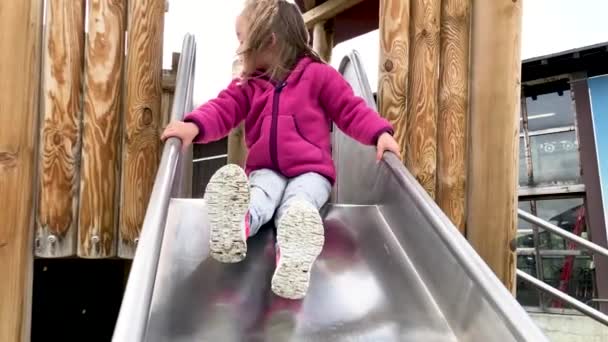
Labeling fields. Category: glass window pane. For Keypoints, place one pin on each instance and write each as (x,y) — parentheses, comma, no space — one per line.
(521,120)
(549,111)
(564,213)
(523,170)
(524,240)
(570,274)
(524,205)
(555,158)
(526,294)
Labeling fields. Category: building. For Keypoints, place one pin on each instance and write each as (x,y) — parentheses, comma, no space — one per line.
(563,174)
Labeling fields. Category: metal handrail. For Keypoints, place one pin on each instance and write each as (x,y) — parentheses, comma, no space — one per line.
(578,305)
(133,317)
(495,293)
(562,232)
(548,289)
(513,315)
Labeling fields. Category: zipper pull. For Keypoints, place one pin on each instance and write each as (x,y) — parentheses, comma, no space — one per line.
(280,87)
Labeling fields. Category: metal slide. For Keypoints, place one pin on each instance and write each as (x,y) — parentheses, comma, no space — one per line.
(393,269)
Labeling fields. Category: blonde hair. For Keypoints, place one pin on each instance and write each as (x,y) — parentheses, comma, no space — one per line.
(283,20)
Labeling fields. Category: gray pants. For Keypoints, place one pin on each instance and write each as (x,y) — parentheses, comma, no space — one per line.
(271,192)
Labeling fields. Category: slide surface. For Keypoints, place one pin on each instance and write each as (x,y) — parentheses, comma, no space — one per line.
(393,269)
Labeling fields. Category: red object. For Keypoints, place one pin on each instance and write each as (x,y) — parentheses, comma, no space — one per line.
(569,260)
(287,125)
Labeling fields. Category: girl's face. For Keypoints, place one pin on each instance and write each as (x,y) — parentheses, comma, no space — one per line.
(262,60)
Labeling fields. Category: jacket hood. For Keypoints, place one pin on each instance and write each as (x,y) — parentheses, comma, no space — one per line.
(294,75)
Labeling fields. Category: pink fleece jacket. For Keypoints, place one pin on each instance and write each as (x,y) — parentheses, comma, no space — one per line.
(287,125)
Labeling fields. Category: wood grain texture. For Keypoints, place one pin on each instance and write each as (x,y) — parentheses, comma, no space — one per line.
(327,10)
(394,66)
(494,130)
(141,136)
(60,141)
(308,4)
(421,140)
(168,84)
(99,188)
(323,39)
(453,110)
(20,50)
(237,149)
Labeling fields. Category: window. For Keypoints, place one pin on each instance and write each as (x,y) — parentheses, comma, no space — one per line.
(548,124)
(523,170)
(549,156)
(550,258)
(550,110)
(555,158)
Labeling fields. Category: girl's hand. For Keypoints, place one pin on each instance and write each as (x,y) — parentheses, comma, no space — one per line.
(386,142)
(186,131)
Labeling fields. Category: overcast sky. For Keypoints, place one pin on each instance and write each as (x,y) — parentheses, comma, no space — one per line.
(548,26)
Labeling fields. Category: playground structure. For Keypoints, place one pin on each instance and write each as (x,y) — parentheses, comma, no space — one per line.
(81,116)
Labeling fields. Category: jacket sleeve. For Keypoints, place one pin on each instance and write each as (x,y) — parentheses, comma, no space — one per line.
(216,118)
(350,112)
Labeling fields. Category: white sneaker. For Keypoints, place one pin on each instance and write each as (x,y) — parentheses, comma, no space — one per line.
(300,238)
(227,196)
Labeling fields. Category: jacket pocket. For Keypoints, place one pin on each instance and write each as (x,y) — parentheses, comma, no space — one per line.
(297,126)
(294,147)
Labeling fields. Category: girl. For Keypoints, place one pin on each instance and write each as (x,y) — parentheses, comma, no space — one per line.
(288,99)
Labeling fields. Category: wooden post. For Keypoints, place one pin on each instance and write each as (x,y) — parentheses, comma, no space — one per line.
(325,11)
(494,130)
(58,170)
(141,139)
(99,189)
(453,110)
(421,154)
(237,150)
(168,84)
(323,39)
(394,65)
(20,48)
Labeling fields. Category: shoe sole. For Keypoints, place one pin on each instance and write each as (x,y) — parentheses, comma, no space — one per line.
(227,196)
(300,236)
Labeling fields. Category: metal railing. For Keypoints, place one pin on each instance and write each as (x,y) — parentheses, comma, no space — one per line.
(562,232)
(550,290)
(575,303)
(133,317)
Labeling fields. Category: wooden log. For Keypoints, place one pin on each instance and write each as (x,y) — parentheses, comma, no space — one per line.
(494,131)
(308,4)
(394,66)
(421,134)
(453,110)
(237,149)
(58,169)
(327,10)
(141,138)
(323,39)
(168,85)
(20,50)
(99,189)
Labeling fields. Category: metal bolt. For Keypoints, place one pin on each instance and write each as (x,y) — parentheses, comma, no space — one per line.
(95,239)
(52,239)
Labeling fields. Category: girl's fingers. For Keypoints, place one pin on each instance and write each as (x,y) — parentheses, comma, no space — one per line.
(379,152)
(168,133)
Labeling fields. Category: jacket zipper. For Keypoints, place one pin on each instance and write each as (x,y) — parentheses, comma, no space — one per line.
(273,128)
